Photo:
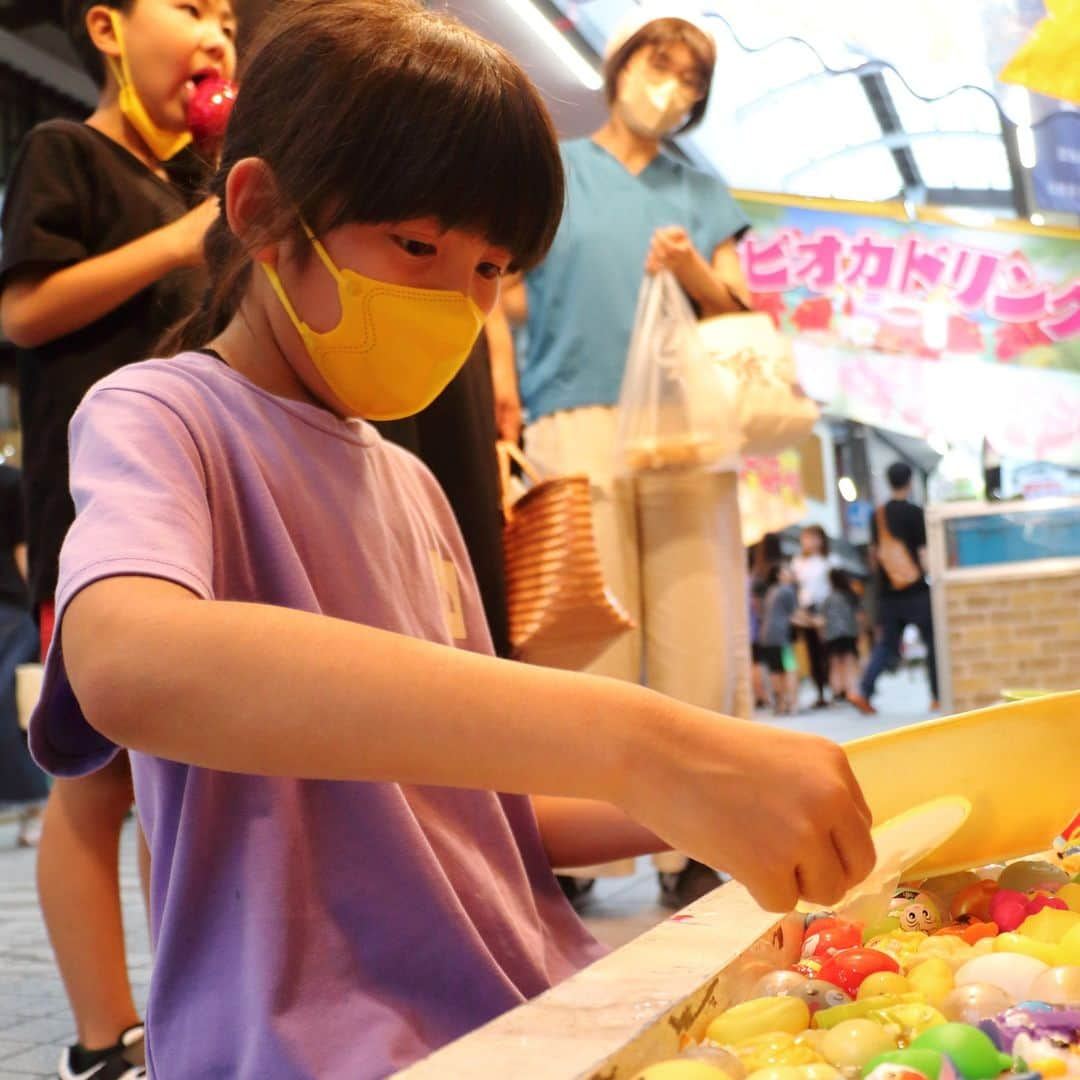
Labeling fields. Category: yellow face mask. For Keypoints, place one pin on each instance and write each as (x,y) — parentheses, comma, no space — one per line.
(163,144)
(394,349)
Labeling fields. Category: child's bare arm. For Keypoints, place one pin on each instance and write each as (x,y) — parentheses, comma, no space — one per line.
(583,832)
(36,308)
(267,690)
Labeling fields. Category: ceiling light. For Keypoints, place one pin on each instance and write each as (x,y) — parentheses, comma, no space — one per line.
(559,45)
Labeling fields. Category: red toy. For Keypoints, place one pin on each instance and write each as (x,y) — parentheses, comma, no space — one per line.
(973,901)
(827,937)
(1009,909)
(847,969)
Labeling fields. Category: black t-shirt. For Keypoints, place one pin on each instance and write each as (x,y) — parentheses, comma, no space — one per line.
(75,193)
(907,523)
(12,587)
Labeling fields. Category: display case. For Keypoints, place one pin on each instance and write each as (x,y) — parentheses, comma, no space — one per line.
(1005,583)
(1016,765)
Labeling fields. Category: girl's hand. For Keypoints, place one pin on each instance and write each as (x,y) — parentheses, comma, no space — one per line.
(780,811)
(671,249)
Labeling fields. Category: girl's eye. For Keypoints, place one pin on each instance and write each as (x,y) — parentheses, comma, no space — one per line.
(416,248)
(192,10)
(490,271)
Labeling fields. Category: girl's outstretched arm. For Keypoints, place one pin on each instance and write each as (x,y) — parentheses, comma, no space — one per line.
(268,690)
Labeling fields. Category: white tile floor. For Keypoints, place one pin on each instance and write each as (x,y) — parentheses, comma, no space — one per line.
(35,1022)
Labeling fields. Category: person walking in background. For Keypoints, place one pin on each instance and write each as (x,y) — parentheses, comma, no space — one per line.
(840,623)
(811,569)
(763,556)
(898,552)
(22,783)
(774,635)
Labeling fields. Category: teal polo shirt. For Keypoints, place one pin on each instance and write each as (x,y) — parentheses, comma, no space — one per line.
(582,298)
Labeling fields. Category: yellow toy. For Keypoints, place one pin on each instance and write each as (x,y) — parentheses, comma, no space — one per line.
(852,1043)
(932,978)
(1049,925)
(820,1071)
(774,1048)
(883,982)
(908,1022)
(760,1017)
(857,1010)
(682,1069)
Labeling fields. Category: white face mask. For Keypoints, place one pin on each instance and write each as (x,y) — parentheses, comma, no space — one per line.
(653,109)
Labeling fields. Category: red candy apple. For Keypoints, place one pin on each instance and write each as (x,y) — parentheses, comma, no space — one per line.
(208,110)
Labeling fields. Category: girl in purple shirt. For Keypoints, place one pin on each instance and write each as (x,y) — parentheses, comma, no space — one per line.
(352,807)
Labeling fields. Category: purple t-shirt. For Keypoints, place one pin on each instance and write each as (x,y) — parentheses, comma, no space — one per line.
(302,928)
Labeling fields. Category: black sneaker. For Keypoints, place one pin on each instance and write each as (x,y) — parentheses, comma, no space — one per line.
(124,1060)
(576,890)
(689,884)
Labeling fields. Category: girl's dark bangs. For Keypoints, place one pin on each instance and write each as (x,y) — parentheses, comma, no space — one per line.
(475,150)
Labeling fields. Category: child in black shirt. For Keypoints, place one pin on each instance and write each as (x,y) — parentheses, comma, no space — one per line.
(102,240)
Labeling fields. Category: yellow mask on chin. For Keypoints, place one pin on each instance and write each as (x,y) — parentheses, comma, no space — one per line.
(163,144)
(394,349)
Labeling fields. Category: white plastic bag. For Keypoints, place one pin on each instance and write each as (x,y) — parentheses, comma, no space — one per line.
(674,411)
(756,362)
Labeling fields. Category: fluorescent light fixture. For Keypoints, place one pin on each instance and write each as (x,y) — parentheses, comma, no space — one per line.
(1025,146)
(847,489)
(582,70)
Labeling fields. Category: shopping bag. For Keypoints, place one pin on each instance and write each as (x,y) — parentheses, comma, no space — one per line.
(756,363)
(561,613)
(673,409)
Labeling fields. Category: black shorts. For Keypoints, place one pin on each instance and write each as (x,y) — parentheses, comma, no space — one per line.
(772,656)
(842,646)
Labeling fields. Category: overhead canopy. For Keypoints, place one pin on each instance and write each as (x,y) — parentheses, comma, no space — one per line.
(851,100)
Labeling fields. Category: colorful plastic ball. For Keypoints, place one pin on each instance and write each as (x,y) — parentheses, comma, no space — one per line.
(759,1017)
(916,910)
(774,1048)
(973,1002)
(972,1053)
(848,968)
(831,938)
(1030,874)
(910,1020)
(718,1058)
(1058,986)
(925,1062)
(1008,909)
(883,982)
(682,1069)
(853,1043)
(1049,924)
(777,984)
(819,995)
(816,1071)
(974,900)
(1011,971)
(946,886)
(933,978)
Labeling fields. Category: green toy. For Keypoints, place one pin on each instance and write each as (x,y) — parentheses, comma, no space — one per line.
(925,1061)
(973,1054)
